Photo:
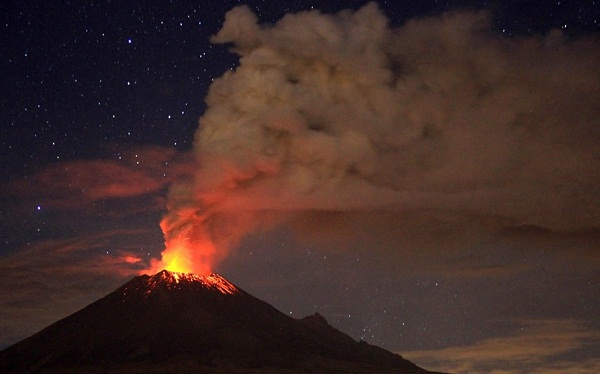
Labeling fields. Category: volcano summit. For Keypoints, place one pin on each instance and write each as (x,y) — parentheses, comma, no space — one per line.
(178,322)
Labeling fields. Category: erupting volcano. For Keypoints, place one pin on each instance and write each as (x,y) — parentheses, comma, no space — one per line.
(174,322)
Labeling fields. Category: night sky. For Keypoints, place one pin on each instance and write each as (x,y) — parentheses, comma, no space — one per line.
(424,174)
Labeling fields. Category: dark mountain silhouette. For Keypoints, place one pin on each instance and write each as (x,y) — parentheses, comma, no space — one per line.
(179,323)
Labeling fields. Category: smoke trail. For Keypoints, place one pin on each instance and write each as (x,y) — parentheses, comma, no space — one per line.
(344,113)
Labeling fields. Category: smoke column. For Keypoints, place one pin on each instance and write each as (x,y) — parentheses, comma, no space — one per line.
(342,113)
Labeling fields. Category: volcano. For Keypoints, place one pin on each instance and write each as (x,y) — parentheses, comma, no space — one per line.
(178,322)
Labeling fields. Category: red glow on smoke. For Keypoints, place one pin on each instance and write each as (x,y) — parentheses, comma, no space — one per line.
(185,254)
(131,259)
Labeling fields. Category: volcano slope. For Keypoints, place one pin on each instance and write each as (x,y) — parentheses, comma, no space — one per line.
(177,322)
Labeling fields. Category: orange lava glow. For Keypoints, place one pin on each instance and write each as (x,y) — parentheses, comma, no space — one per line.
(183,255)
(176,258)
(172,279)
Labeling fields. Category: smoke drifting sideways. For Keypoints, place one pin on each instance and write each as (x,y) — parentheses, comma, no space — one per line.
(343,113)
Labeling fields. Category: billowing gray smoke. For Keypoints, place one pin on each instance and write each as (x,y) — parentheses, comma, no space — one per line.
(344,113)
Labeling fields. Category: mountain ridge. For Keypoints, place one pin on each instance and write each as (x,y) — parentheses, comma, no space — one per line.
(177,322)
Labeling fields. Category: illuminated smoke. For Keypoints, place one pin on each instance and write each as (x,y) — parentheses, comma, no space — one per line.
(344,113)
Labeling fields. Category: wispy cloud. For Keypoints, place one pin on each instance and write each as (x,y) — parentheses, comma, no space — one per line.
(76,184)
(75,230)
(538,346)
(45,281)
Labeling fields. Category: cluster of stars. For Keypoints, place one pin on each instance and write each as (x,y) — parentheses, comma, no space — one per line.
(65,78)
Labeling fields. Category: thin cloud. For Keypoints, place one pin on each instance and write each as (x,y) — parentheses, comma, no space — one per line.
(538,346)
(97,252)
(77,184)
(45,281)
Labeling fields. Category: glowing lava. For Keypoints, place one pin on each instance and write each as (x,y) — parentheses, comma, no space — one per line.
(173,279)
(176,281)
(176,258)
(185,255)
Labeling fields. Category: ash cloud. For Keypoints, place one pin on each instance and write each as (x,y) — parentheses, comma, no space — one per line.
(343,113)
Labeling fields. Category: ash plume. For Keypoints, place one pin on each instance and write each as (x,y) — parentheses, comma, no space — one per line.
(344,113)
